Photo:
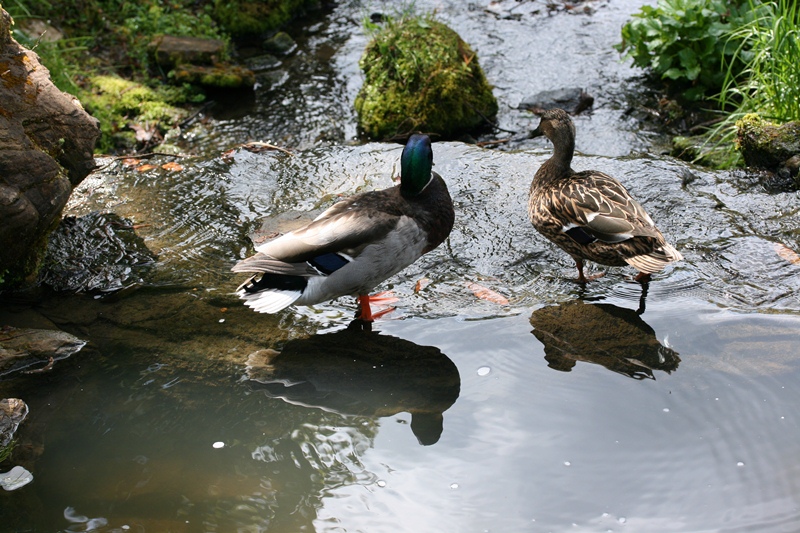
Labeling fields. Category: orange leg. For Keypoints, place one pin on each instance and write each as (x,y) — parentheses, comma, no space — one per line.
(365,310)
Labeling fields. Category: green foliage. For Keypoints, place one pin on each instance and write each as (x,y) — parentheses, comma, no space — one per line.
(5,452)
(761,78)
(115,102)
(420,75)
(682,42)
(155,20)
(769,49)
(243,18)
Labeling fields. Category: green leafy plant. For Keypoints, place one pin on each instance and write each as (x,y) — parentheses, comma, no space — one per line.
(769,50)
(682,42)
(761,76)
(156,20)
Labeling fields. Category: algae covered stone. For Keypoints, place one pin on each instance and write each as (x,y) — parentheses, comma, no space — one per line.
(767,145)
(419,75)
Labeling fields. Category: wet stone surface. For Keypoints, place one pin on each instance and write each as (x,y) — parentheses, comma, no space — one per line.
(96,252)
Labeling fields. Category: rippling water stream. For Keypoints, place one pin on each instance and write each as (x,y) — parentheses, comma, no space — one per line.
(547,407)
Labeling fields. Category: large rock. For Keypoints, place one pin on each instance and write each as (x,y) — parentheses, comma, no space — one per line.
(767,145)
(419,75)
(22,348)
(46,149)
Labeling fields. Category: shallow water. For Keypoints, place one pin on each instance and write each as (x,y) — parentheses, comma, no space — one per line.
(557,409)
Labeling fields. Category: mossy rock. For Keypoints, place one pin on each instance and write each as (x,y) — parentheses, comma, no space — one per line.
(767,145)
(421,76)
(170,50)
(221,76)
(280,44)
(247,18)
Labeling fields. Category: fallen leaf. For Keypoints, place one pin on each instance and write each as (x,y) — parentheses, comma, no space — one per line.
(421,284)
(130,162)
(787,253)
(228,157)
(145,168)
(487,294)
(143,133)
(172,167)
(258,146)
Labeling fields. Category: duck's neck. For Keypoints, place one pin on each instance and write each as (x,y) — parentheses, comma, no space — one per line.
(560,163)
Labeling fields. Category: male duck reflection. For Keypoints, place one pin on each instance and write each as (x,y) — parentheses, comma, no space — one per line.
(355,244)
(363,374)
(589,214)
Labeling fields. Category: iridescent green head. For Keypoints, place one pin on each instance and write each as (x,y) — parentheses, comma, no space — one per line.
(416,165)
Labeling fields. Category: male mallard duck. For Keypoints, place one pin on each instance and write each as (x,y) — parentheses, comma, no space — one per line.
(355,244)
(589,214)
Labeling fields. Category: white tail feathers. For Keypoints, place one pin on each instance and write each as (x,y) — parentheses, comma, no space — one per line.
(656,260)
(270,300)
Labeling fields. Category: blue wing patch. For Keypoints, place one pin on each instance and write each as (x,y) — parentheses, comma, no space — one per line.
(328,263)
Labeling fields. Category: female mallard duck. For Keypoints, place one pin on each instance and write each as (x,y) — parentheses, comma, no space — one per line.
(355,244)
(589,214)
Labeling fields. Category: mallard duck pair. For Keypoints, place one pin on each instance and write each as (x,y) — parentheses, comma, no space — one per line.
(361,241)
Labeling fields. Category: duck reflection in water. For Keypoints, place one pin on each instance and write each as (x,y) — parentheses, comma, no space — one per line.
(359,372)
(604,334)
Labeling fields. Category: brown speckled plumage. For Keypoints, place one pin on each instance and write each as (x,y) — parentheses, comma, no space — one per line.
(589,214)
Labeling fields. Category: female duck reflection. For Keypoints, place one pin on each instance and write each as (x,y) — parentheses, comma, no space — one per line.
(604,334)
(357,372)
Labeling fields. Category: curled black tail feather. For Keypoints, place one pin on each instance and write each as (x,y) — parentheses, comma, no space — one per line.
(274,281)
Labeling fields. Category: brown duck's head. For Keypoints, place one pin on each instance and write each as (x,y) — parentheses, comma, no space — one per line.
(557,126)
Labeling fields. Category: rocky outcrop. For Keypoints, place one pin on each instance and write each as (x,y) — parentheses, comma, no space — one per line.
(23,348)
(419,75)
(769,146)
(46,149)
(573,100)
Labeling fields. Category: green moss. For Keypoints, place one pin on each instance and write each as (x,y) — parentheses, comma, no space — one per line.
(116,102)
(219,76)
(764,144)
(421,76)
(243,18)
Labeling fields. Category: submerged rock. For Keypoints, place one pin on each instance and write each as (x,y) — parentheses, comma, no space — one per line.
(46,149)
(97,252)
(12,412)
(280,44)
(419,75)
(21,348)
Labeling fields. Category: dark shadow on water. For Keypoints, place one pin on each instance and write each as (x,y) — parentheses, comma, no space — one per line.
(356,371)
(603,334)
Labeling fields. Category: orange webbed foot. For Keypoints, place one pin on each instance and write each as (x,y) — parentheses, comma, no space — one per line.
(365,309)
